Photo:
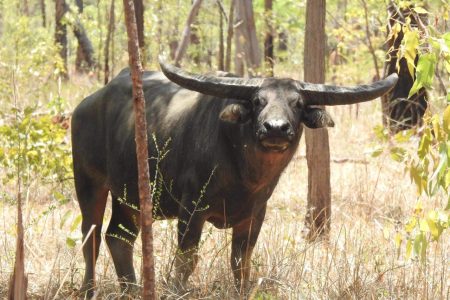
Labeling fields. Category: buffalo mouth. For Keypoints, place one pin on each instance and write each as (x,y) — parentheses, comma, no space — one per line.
(275,144)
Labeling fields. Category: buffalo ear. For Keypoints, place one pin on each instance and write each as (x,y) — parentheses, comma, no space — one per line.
(314,117)
(235,114)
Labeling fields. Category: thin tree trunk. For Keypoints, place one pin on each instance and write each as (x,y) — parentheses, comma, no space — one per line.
(230,32)
(369,41)
(246,38)
(61,33)
(317,145)
(221,64)
(25,8)
(182,47)
(108,40)
(1,18)
(268,40)
(19,282)
(100,41)
(44,17)
(79,58)
(159,11)
(84,45)
(145,200)
(139,11)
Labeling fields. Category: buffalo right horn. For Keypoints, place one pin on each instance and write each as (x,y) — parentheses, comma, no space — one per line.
(321,94)
(223,87)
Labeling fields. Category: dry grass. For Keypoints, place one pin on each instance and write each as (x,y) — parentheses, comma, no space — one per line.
(360,260)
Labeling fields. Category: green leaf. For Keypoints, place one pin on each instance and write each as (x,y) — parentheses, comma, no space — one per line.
(398,154)
(446,38)
(411,40)
(408,249)
(70,242)
(420,10)
(424,73)
(425,143)
(75,223)
(64,218)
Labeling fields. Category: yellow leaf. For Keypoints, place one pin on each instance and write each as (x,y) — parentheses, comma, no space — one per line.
(398,240)
(411,43)
(418,208)
(447,119)
(423,225)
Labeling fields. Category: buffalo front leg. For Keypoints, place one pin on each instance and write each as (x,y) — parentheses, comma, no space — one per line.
(120,237)
(186,257)
(244,239)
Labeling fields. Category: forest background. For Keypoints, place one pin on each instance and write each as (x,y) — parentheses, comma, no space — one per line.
(390,197)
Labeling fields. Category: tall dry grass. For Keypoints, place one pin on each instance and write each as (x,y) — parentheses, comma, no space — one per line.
(371,199)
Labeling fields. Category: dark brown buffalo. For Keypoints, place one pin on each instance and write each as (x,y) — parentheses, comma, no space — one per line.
(401,112)
(229,141)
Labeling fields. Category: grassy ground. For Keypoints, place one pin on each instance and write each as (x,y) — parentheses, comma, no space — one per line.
(371,198)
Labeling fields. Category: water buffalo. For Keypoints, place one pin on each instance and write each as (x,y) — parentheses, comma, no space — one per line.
(229,139)
(402,112)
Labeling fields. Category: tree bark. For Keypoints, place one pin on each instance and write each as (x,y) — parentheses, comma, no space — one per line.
(85,48)
(109,36)
(19,281)
(230,32)
(61,33)
(80,57)
(268,40)
(246,40)
(221,63)
(145,200)
(139,11)
(317,145)
(182,47)
(44,17)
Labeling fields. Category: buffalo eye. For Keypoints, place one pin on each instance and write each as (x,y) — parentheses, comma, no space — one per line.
(258,101)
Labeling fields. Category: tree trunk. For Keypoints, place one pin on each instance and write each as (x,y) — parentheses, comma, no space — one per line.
(139,11)
(230,36)
(246,40)
(61,33)
(268,40)
(85,51)
(18,282)
(79,58)
(108,40)
(1,18)
(182,47)
(145,200)
(44,17)
(25,8)
(317,147)
(221,63)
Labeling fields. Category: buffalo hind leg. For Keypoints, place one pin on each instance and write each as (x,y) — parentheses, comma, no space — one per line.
(120,237)
(92,200)
(243,241)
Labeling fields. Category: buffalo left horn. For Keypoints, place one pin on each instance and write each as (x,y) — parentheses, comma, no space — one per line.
(321,94)
(223,87)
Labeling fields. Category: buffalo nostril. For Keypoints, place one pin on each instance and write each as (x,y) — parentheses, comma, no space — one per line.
(284,127)
(268,126)
(279,126)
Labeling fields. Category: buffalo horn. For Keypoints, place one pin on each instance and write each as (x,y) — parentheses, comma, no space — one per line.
(321,94)
(223,87)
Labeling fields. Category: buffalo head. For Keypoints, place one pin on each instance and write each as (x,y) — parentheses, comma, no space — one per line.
(277,107)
